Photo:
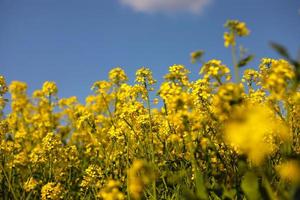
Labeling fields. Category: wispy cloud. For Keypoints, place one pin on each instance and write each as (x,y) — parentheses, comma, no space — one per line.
(170,6)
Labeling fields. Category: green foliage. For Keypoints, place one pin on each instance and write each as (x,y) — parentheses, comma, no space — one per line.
(243,62)
(250,186)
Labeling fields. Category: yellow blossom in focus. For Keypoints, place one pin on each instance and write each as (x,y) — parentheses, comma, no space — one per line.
(251,76)
(92,178)
(102,86)
(228,97)
(215,69)
(51,143)
(49,88)
(18,95)
(3,127)
(178,74)
(3,86)
(144,75)
(52,191)
(117,76)
(276,76)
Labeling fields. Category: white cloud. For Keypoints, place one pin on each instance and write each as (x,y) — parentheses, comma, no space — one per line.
(150,6)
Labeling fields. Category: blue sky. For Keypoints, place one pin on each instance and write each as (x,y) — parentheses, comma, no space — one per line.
(76,42)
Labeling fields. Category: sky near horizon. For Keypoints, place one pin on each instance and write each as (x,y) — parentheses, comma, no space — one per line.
(77,42)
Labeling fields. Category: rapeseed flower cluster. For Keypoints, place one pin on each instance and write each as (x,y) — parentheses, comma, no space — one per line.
(209,138)
(235,28)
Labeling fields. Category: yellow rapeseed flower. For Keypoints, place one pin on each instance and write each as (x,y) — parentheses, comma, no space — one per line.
(289,171)
(49,88)
(229,39)
(52,191)
(253,133)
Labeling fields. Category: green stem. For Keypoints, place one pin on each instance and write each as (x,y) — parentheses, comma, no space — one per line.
(152,139)
(235,65)
(127,160)
(198,176)
(8,182)
(50,169)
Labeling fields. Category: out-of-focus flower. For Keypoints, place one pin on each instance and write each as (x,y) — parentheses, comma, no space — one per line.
(289,171)
(255,132)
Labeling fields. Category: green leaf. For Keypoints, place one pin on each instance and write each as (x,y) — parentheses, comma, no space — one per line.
(297,69)
(214,196)
(281,50)
(200,186)
(196,55)
(188,194)
(243,62)
(229,194)
(267,186)
(250,186)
